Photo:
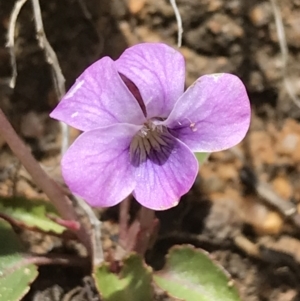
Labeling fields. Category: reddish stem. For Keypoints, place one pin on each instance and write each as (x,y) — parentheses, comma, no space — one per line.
(51,259)
(61,202)
(147,225)
(123,221)
(65,235)
(70,225)
(137,236)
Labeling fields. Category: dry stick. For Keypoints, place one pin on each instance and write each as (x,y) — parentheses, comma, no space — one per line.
(61,202)
(50,259)
(85,10)
(179,22)
(58,78)
(287,208)
(11,40)
(88,16)
(57,260)
(271,250)
(284,53)
(59,82)
(98,256)
(51,57)
(250,248)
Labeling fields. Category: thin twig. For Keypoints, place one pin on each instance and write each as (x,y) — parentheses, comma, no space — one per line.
(58,78)
(284,53)
(283,251)
(287,208)
(267,194)
(67,235)
(179,22)
(59,82)
(61,202)
(51,57)
(85,10)
(89,17)
(243,243)
(98,256)
(53,259)
(11,40)
(265,191)
(50,259)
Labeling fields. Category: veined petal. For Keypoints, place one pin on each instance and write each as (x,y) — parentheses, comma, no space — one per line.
(99,98)
(212,115)
(164,177)
(97,165)
(159,73)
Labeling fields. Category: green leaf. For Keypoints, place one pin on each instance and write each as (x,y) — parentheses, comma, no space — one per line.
(16,272)
(191,275)
(31,212)
(201,157)
(132,284)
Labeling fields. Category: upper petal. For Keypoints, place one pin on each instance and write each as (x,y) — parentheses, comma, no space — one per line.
(97,165)
(213,114)
(98,98)
(159,73)
(164,177)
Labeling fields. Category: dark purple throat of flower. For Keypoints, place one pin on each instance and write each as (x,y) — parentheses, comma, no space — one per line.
(153,142)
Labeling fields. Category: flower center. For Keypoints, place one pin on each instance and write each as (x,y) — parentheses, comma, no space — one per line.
(152,142)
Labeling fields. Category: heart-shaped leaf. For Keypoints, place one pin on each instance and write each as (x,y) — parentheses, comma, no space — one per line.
(132,284)
(191,275)
(16,271)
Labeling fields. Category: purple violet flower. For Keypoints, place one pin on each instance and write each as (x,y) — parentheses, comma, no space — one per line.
(140,128)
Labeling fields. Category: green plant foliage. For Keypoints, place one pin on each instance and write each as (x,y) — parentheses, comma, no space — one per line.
(191,275)
(31,212)
(132,284)
(16,272)
(201,157)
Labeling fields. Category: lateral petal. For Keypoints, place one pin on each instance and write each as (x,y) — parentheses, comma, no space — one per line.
(97,165)
(212,115)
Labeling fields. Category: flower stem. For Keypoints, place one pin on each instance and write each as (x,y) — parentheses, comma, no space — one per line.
(123,221)
(54,192)
(147,226)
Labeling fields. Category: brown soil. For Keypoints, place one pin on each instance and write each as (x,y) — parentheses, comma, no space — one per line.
(225,213)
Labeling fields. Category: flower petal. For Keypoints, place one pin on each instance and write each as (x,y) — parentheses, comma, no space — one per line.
(159,73)
(99,98)
(212,115)
(161,180)
(97,165)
